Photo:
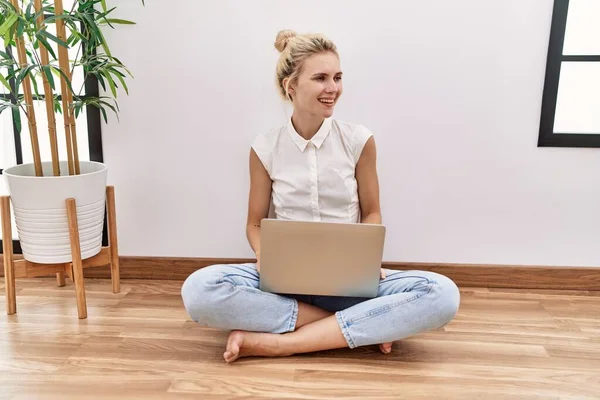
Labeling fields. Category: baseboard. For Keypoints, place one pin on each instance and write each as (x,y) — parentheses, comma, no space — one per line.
(465,275)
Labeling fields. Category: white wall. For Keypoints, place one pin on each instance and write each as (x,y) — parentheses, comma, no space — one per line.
(452,91)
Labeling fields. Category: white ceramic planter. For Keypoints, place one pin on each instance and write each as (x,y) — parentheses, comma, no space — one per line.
(39,205)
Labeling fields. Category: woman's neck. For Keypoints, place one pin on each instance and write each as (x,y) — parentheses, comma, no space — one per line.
(307,126)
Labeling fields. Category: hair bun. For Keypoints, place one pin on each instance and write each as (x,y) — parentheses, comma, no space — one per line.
(283,37)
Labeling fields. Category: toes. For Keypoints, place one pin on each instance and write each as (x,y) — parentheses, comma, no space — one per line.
(232,350)
(229,356)
(385,348)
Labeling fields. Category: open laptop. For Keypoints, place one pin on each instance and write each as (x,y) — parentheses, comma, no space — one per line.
(321,258)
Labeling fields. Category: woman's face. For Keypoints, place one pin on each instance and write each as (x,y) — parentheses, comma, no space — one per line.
(319,85)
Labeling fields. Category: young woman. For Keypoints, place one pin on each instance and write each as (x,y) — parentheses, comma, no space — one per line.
(320,169)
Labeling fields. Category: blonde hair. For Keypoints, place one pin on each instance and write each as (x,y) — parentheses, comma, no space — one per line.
(295,49)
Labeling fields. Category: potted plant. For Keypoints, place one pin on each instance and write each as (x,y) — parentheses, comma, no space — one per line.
(37,35)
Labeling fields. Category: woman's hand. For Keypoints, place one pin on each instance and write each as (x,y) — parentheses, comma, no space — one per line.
(258,262)
(382,274)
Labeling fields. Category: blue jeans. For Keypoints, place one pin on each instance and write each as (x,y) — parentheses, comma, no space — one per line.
(409,302)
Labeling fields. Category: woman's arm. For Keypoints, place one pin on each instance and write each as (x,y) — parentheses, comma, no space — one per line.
(368,184)
(259,201)
(368,187)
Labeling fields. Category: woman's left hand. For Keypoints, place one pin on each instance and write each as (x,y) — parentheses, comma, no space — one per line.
(382,273)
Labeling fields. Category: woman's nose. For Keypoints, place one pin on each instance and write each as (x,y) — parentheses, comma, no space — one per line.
(331,87)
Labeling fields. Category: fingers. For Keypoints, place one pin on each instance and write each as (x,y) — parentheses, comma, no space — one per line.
(382,273)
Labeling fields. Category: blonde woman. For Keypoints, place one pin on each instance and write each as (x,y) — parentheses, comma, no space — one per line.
(313,168)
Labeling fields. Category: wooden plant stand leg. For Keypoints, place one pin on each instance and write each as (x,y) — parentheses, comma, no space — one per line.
(76,256)
(7,251)
(60,279)
(115,274)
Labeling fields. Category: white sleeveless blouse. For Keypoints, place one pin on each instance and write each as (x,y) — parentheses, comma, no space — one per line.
(314,180)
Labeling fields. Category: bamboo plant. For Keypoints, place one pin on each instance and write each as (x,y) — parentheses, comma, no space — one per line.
(24,27)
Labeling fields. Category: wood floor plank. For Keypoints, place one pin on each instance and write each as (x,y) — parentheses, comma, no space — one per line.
(140,344)
(353,389)
(489,383)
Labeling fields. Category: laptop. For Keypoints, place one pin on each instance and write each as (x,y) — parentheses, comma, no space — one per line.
(321,258)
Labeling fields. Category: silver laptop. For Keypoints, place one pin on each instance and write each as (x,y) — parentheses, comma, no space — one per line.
(321,258)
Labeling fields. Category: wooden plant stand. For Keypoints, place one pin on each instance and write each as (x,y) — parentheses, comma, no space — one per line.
(109,255)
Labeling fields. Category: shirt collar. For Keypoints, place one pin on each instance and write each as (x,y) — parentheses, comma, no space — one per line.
(316,140)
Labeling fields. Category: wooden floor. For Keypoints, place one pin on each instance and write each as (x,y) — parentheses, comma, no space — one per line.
(140,344)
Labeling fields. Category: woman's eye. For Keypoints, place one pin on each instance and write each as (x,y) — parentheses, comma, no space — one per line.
(322,78)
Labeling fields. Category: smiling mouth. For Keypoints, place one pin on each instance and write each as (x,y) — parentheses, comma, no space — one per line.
(328,102)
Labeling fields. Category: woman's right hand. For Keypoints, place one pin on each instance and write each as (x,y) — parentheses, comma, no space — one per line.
(258,262)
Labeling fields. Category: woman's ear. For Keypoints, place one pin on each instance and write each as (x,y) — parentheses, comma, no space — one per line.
(289,87)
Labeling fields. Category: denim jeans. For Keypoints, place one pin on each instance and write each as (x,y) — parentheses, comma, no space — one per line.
(408,302)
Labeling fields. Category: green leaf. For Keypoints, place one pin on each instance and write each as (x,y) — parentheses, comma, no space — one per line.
(55,71)
(8,23)
(5,105)
(120,65)
(24,72)
(78,106)
(75,38)
(62,74)
(21,27)
(111,83)
(30,56)
(100,79)
(122,83)
(120,21)
(28,11)
(8,6)
(45,43)
(11,72)
(5,83)
(104,114)
(116,72)
(41,12)
(16,114)
(102,16)
(48,72)
(92,25)
(69,19)
(73,27)
(53,38)
(35,86)
(110,106)
(57,106)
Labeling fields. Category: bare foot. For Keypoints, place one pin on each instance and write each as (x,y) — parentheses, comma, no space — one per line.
(386,348)
(243,344)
